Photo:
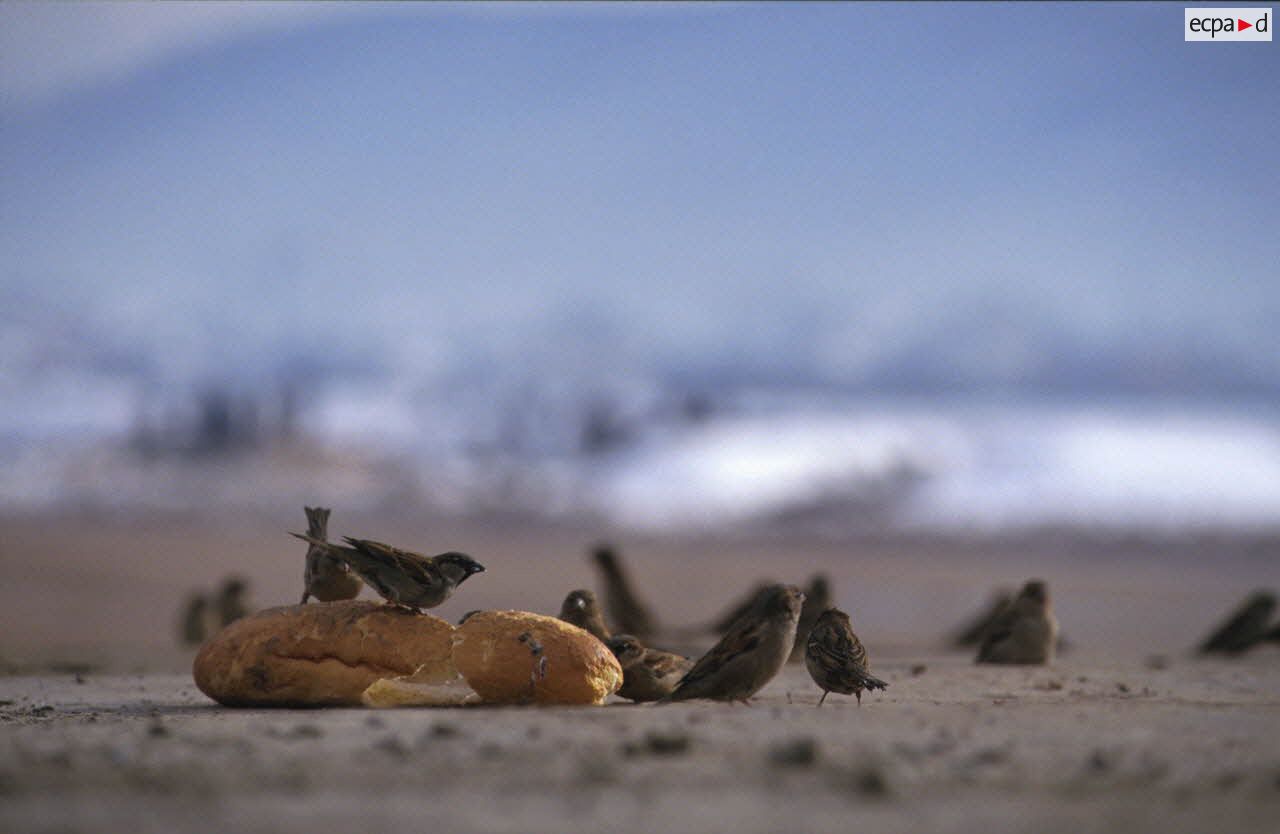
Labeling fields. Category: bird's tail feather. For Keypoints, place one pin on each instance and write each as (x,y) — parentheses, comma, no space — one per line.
(869,682)
(317,521)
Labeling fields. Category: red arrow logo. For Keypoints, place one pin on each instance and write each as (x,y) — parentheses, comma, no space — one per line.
(1243,24)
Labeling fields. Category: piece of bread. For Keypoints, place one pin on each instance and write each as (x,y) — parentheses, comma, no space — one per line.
(322,654)
(515,657)
(408,692)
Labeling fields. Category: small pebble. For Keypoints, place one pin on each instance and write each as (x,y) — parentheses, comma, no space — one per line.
(393,746)
(440,729)
(990,756)
(870,781)
(799,752)
(1098,762)
(666,744)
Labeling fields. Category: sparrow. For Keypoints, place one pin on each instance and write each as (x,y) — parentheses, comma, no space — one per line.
(971,633)
(628,614)
(1025,632)
(580,609)
(194,625)
(1246,626)
(750,655)
(326,577)
(647,674)
(404,579)
(232,602)
(817,599)
(836,658)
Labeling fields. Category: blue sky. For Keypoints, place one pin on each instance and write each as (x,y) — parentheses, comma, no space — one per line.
(987,194)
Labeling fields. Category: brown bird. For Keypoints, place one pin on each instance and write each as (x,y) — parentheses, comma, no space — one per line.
(971,633)
(326,577)
(1246,626)
(1025,632)
(750,655)
(581,609)
(194,625)
(401,577)
(647,674)
(232,601)
(627,613)
(836,658)
(817,598)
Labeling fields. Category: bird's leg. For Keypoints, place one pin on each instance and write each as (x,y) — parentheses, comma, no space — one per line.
(857,693)
(824,696)
(305,594)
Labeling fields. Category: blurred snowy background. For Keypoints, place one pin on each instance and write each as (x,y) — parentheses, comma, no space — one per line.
(669,265)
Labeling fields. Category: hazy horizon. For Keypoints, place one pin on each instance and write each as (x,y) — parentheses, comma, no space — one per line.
(419,219)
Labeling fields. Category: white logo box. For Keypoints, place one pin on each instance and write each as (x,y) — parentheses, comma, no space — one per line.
(1212,25)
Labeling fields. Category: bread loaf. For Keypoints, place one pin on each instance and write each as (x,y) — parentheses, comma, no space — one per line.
(322,654)
(513,657)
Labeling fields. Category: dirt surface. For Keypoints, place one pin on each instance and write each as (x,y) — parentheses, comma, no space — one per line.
(952,747)
(101,728)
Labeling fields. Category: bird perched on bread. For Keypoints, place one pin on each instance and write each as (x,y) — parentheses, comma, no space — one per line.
(1025,632)
(326,577)
(647,674)
(401,577)
(627,613)
(836,659)
(750,654)
(1245,627)
(581,609)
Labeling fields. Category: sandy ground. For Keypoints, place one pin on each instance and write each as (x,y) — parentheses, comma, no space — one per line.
(101,728)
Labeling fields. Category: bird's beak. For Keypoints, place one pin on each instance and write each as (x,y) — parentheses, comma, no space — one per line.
(478,568)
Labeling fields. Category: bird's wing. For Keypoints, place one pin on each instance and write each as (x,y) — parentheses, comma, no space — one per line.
(663,664)
(838,647)
(744,637)
(837,650)
(326,546)
(1000,630)
(972,632)
(415,566)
